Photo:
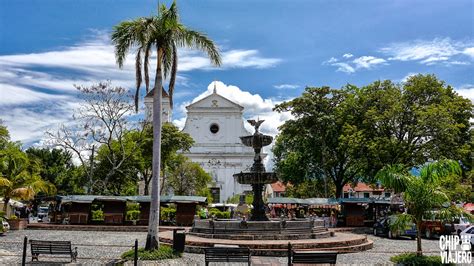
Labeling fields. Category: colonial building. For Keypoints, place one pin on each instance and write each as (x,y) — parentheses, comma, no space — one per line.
(216,123)
(275,190)
(165,106)
(363,190)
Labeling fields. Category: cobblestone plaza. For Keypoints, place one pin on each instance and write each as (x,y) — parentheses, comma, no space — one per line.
(106,247)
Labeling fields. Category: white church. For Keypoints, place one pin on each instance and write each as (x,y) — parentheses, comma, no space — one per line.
(215,123)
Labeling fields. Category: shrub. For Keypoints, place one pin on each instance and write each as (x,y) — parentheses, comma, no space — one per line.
(97,215)
(218,214)
(167,213)
(132,215)
(413,259)
(133,206)
(13,217)
(162,253)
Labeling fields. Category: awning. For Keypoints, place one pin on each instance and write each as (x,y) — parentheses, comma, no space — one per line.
(282,200)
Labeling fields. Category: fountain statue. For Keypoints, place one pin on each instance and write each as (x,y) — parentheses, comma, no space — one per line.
(257,177)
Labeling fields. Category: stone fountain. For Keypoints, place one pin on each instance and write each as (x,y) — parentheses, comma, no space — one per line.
(263,236)
(257,177)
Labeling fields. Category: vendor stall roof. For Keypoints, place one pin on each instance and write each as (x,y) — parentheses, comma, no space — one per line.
(163,199)
(77,198)
(170,199)
(281,200)
(322,201)
(356,200)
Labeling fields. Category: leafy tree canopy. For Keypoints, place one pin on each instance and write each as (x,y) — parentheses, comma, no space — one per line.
(349,134)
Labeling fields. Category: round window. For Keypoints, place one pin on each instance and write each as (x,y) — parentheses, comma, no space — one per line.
(214,128)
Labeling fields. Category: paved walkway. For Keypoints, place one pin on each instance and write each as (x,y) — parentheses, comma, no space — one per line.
(97,248)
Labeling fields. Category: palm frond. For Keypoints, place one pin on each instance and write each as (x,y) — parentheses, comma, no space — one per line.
(24,193)
(4,182)
(174,70)
(146,64)
(434,171)
(197,40)
(138,76)
(402,222)
(394,177)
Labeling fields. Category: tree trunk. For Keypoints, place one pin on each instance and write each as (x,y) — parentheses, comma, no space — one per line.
(5,204)
(152,241)
(146,190)
(419,252)
(339,192)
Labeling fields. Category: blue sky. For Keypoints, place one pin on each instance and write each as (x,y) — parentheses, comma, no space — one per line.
(271,51)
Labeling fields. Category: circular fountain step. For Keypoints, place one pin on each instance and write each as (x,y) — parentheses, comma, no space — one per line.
(341,242)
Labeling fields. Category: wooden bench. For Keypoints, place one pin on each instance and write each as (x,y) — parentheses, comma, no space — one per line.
(53,248)
(310,257)
(222,254)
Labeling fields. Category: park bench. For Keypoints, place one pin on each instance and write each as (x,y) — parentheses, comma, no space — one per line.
(223,254)
(310,257)
(52,248)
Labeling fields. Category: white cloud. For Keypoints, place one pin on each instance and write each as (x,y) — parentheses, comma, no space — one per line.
(254,107)
(469,51)
(427,52)
(363,62)
(31,81)
(14,95)
(286,86)
(367,62)
(407,76)
(467,91)
(344,67)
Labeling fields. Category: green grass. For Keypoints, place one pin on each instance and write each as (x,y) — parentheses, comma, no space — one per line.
(162,253)
(413,259)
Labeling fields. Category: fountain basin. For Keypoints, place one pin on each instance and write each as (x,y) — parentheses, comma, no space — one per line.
(256,178)
(256,141)
(263,230)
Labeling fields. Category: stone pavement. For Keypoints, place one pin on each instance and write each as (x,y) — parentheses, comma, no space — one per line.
(100,248)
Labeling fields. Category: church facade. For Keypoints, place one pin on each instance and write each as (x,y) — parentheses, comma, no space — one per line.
(216,123)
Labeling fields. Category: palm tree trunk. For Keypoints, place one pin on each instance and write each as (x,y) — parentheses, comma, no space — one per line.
(152,241)
(5,204)
(419,252)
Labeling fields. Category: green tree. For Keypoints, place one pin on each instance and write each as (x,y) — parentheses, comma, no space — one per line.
(166,34)
(348,135)
(422,193)
(57,168)
(323,141)
(20,176)
(4,135)
(188,178)
(413,122)
(172,141)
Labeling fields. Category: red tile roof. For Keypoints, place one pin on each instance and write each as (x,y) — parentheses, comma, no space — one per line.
(361,187)
(469,207)
(278,187)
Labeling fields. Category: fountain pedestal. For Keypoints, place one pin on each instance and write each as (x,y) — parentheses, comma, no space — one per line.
(257,177)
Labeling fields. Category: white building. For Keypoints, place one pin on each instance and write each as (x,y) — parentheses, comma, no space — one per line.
(165,106)
(216,123)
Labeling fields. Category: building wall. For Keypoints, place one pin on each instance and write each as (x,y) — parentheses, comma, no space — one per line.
(221,153)
(166,109)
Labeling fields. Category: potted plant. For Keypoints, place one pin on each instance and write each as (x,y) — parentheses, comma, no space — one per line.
(17,223)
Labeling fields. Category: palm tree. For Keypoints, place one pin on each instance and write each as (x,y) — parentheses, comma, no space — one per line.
(19,176)
(166,34)
(421,193)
